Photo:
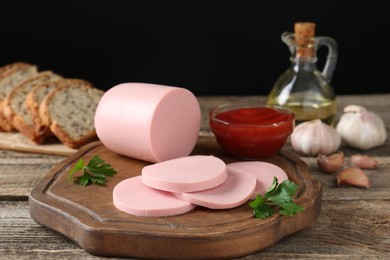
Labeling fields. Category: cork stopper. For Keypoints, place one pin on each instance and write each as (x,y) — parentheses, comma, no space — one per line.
(304,33)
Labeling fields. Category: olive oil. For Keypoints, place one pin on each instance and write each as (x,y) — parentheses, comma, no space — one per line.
(303,88)
(324,110)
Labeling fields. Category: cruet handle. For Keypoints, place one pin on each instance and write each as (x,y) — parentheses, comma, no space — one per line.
(331,59)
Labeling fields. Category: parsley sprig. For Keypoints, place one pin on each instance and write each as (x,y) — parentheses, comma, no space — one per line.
(277,195)
(94,172)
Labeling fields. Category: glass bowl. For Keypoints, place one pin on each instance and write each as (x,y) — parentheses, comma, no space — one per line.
(251,130)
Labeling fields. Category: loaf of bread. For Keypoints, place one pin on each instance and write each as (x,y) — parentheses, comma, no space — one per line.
(34,100)
(11,76)
(69,111)
(15,109)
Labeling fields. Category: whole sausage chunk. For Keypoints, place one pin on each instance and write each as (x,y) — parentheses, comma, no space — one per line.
(147,121)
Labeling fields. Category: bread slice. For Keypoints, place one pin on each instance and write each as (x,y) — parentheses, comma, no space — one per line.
(34,100)
(6,68)
(69,110)
(15,109)
(10,77)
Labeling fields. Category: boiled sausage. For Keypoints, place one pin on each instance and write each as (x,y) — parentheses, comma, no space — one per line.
(235,191)
(133,197)
(185,174)
(263,171)
(147,121)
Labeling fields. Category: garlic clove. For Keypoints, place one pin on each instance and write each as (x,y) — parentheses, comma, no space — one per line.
(315,137)
(330,163)
(353,176)
(360,128)
(363,161)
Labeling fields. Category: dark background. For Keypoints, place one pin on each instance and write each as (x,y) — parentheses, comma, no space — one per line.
(210,47)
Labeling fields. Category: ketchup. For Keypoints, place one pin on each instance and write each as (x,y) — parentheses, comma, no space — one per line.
(254,132)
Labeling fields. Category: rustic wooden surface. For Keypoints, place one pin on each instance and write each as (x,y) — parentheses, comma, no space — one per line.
(353,223)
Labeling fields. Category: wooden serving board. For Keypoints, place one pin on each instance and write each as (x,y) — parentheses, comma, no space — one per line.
(86,214)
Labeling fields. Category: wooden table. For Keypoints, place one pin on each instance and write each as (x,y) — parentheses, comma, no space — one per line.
(353,222)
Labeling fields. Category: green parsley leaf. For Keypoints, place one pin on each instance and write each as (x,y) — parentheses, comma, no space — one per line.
(94,172)
(257,202)
(283,192)
(277,195)
(290,209)
(263,211)
(79,165)
(272,188)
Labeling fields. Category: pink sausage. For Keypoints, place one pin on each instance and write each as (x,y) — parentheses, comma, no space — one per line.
(185,174)
(133,197)
(235,191)
(263,171)
(148,122)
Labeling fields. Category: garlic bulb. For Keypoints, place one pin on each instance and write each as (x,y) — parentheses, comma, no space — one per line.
(360,128)
(315,137)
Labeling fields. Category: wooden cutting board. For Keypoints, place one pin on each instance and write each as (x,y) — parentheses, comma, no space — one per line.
(86,214)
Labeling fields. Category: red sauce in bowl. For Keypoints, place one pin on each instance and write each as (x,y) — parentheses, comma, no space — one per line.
(251,131)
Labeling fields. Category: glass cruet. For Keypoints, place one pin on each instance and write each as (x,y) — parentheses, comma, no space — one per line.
(302,87)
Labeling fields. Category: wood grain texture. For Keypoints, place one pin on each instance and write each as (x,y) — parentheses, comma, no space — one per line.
(353,223)
(20,172)
(87,215)
(344,229)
